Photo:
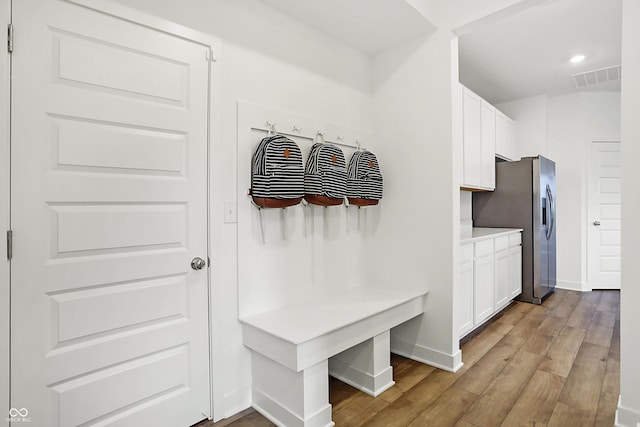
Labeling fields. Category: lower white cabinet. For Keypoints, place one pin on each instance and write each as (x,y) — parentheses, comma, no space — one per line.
(483,278)
(490,277)
(515,266)
(464,296)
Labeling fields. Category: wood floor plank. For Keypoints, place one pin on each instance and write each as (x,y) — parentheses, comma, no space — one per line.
(530,322)
(601,329)
(563,351)
(446,410)
(406,379)
(429,389)
(542,338)
(495,403)
(583,314)
(609,394)
(609,301)
(537,402)
(479,376)
(351,405)
(515,313)
(565,415)
(569,303)
(474,349)
(398,414)
(584,383)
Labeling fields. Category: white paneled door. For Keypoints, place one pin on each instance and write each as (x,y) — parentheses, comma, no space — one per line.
(109,321)
(604,216)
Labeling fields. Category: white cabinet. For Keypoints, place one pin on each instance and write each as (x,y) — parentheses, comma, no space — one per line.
(471,139)
(501,281)
(478,142)
(464,296)
(490,277)
(483,286)
(515,265)
(505,137)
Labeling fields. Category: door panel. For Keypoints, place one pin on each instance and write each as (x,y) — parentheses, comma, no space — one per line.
(604,209)
(109,193)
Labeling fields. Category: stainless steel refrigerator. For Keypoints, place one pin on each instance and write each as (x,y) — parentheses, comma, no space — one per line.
(525,198)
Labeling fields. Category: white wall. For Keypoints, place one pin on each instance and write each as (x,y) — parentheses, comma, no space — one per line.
(628,413)
(267,59)
(561,128)
(419,225)
(573,122)
(530,115)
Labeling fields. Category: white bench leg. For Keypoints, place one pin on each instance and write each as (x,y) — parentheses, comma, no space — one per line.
(366,366)
(289,398)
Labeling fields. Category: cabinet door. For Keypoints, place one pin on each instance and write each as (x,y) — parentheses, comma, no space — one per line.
(505,132)
(501,282)
(464,304)
(515,271)
(471,139)
(488,143)
(483,289)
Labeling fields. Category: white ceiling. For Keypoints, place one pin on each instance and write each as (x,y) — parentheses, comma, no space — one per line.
(515,57)
(370,26)
(528,53)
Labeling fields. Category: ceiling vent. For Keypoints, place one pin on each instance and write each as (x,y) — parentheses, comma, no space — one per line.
(590,78)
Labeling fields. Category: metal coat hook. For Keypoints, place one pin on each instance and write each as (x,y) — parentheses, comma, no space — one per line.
(320,136)
(271,127)
(358,145)
(340,138)
(296,129)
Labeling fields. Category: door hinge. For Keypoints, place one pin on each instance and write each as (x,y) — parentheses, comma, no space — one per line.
(10,38)
(9,244)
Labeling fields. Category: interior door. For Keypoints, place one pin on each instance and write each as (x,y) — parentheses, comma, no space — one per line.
(604,216)
(109,321)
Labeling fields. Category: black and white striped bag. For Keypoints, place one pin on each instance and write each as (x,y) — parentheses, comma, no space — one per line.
(325,176)
(277,173)
(364,185)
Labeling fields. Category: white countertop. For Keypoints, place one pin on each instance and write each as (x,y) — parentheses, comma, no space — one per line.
(482,233)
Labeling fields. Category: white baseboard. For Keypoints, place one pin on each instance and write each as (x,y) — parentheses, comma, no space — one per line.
(572,286)
(237,401)
(423,354)
(373,385)
(626,417)
(281,416)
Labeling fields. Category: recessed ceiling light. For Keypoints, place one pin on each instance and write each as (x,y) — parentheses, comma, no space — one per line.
(577,58)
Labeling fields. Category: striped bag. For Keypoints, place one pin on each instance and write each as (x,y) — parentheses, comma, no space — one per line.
(277,173)
(325,175)
(364,185)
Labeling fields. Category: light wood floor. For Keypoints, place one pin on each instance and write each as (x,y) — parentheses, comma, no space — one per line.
(556,364)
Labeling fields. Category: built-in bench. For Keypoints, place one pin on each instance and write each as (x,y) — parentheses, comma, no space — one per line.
(345,335)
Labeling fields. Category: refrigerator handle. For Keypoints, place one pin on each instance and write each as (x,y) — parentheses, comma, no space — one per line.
(552,212)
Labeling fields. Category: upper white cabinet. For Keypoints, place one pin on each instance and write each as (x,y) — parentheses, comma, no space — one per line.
(478,142)
(471,139)
(488,142)
(486,133)
(505,137)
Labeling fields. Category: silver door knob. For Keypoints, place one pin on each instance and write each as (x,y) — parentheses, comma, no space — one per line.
(596,223)
(198,263)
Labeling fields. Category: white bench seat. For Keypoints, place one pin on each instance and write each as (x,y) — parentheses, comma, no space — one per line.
(291,347)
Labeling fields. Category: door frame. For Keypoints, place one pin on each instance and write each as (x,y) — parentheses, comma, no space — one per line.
(216,392)
(587,201)
(5,211)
